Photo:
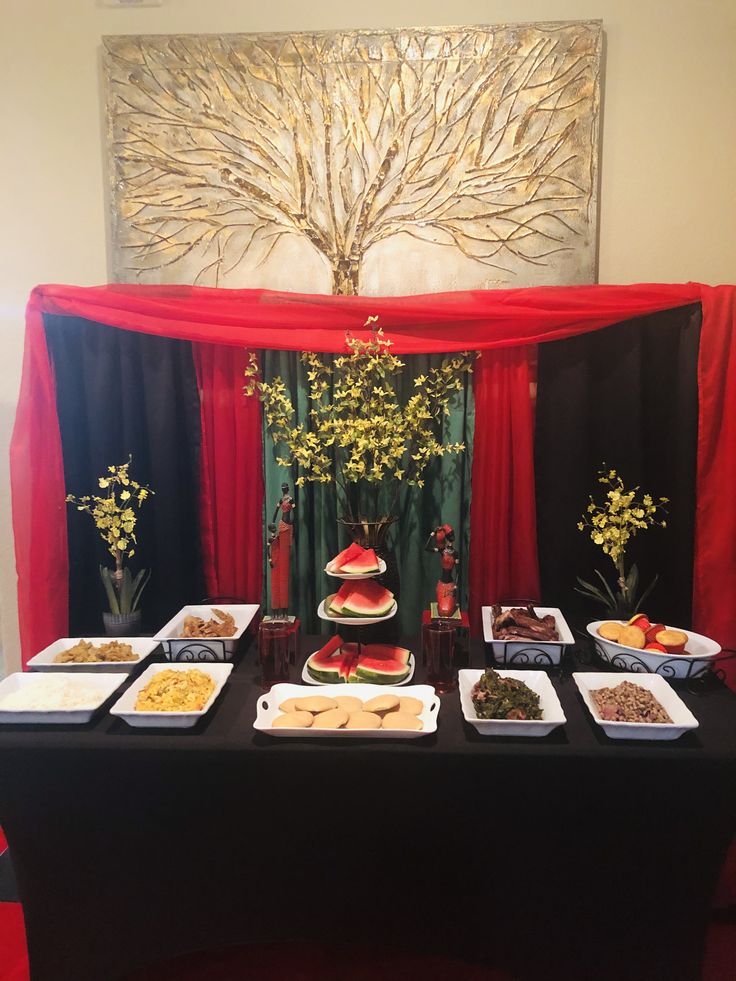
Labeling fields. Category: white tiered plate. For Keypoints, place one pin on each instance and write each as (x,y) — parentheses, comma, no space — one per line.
(353,621)
(268,709)
(348,686)
(358,575)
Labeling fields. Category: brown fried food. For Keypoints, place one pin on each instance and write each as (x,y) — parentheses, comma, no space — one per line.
(85,652)
(222,625)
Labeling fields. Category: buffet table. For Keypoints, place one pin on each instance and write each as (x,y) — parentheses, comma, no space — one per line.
(571,855)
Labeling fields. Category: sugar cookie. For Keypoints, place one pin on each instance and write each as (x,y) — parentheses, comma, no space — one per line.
(363,720)
(413,706)
(293,720)
(289,705)
(381,704)
(331,719)
(349,703)
(401,720)
(315,703)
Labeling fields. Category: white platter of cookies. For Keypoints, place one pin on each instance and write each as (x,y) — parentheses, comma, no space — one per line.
(366,712)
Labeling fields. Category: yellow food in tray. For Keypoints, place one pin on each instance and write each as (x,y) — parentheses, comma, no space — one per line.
(176,691)
(85,652)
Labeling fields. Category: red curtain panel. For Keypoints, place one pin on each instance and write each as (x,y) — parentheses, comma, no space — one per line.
(475,320)
(503,520)
(38,493)
(231,475)
(714,573)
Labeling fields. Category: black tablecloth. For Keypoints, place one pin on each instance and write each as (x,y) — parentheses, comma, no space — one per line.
(571,855)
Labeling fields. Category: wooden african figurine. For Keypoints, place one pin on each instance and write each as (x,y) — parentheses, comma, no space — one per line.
(279,552)
(442,540)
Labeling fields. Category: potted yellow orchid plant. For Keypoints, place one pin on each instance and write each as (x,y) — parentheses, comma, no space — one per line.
(612,523)
(115,516)
(360,435)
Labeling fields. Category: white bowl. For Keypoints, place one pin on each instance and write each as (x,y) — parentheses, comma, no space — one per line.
(540,653)
(125,708)
(358,575)
(538,681)
(354,621)
(682,718)
(701,651)
(268,710)
(44,661)
(105,685)
(199,649)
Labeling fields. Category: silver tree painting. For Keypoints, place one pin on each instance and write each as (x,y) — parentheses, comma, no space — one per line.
(356,161)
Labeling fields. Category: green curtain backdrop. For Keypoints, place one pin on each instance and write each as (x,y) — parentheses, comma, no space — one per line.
(445,498)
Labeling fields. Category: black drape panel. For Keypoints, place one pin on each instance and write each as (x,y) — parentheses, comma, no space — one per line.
(120,393)
(626,395)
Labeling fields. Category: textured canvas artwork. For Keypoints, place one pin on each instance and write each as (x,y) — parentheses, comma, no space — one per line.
(378,162)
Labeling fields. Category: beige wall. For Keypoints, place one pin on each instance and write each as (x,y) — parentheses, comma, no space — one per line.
(668,194)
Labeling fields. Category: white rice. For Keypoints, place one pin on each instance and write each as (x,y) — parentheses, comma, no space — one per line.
(50,693)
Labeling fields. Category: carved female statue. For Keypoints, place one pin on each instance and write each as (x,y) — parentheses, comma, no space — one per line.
(444,543)
(279,552)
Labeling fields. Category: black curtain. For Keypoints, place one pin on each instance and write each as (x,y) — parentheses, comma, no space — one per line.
(626,395)
(119,393)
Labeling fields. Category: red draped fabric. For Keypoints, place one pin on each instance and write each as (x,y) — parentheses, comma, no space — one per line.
(478,320)
(231,488)
(503,518)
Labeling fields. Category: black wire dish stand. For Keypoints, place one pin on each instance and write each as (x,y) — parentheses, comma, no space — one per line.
(700,678)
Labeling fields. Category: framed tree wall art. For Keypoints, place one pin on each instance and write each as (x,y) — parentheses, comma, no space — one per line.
(377,162)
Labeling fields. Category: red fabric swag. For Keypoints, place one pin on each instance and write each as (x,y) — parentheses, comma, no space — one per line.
(479,320)
(503,514)
(231,489)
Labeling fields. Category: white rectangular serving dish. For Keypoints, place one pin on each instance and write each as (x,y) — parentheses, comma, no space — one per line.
(538,681)
(700,653)
(125,709)
(268,709)
(199,649)
(682,718)
(106,684)
(541,653)
(44,661)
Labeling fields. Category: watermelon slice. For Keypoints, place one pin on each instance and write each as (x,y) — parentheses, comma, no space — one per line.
(362,564)
(326,663)
(367,598)
(336,603)
(381,671)
(352,551)
(385,652)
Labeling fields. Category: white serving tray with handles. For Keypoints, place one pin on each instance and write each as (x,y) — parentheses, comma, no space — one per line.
(125,708)
(44,661)
(268,709)
(700,652)
(683,719)
(552,712)
(196,650)
(534,653)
